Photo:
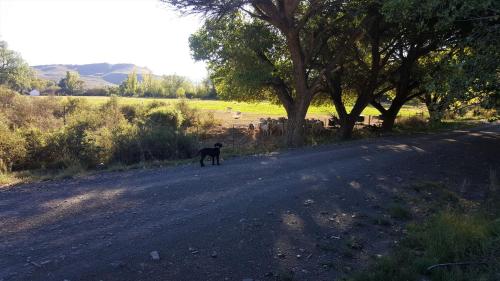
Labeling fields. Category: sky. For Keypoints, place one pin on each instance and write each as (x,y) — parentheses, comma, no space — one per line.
(144,32)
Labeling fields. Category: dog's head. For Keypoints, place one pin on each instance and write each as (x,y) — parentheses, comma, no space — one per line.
(219,145)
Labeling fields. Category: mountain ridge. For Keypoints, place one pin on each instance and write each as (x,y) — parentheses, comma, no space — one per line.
(94,75)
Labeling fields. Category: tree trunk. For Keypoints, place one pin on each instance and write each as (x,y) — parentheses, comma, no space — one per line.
(295,125)
(347,126)
(435,117)
(389,119)
(389,116)
(435,114)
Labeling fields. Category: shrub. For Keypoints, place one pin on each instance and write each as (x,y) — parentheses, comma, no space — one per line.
(412,123)
(12,148)
(163,117)
(7,96)
(130,112)
(128,148)
(190,115)
(35,148)
(208,122)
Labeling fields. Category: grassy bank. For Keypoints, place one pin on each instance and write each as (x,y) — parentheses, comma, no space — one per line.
(453,239)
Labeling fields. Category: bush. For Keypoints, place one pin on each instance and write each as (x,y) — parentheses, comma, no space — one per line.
(35,148)
(163,117)
(7,97)
(190,115)
(12,148)
(130,112)
(412,123)
(46,133)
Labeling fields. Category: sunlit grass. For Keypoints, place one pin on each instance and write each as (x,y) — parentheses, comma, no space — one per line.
(262,108)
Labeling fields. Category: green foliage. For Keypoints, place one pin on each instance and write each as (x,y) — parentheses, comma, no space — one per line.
(130,86)
(237,51)
(163,117)
(12,147)
(168,86)
(447,237)
(15,73)
(71,84)
(399,212)
(70,133)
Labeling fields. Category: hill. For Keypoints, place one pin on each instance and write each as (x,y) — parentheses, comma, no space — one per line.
(94,75)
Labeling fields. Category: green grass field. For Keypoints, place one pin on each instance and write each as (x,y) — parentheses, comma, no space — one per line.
(263,109)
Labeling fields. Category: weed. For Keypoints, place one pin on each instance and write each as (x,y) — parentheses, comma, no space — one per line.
(397,211)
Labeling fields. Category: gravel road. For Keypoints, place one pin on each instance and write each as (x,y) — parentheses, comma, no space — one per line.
(305,214)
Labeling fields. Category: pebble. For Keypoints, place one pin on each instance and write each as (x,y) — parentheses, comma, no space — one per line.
(247,279)
(308,202)
(155,255)
(214,254)
(193,250)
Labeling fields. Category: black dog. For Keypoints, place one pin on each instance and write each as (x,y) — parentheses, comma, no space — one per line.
(212,152)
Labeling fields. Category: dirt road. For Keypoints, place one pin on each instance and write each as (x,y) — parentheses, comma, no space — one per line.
(305,214)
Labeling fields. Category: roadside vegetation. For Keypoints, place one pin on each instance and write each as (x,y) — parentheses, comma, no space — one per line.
(451,238)
(48,134)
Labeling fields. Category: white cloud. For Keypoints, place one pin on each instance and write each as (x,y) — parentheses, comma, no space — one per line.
(143,32)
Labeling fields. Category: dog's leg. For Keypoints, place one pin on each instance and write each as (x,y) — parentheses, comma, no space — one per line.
(218,159)
(213,160)
(201,160)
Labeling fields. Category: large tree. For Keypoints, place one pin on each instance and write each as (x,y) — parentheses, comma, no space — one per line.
(296,23)
(14,71)
(71,84)
(429,28)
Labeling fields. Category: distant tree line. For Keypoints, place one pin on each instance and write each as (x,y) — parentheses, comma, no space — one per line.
(167,86)
(17,75)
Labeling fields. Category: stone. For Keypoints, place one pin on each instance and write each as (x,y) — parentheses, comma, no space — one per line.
(155,255)
(308,202)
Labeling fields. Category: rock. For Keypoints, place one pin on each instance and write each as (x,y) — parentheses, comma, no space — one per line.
(193,250)
(308,202)
(155,255)
(247,279)
(213,254)
(281,255)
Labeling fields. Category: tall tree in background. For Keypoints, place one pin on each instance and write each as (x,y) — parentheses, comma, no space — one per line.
(71,84)
(130,86)
(296,24)
(14,71)
(429,28)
